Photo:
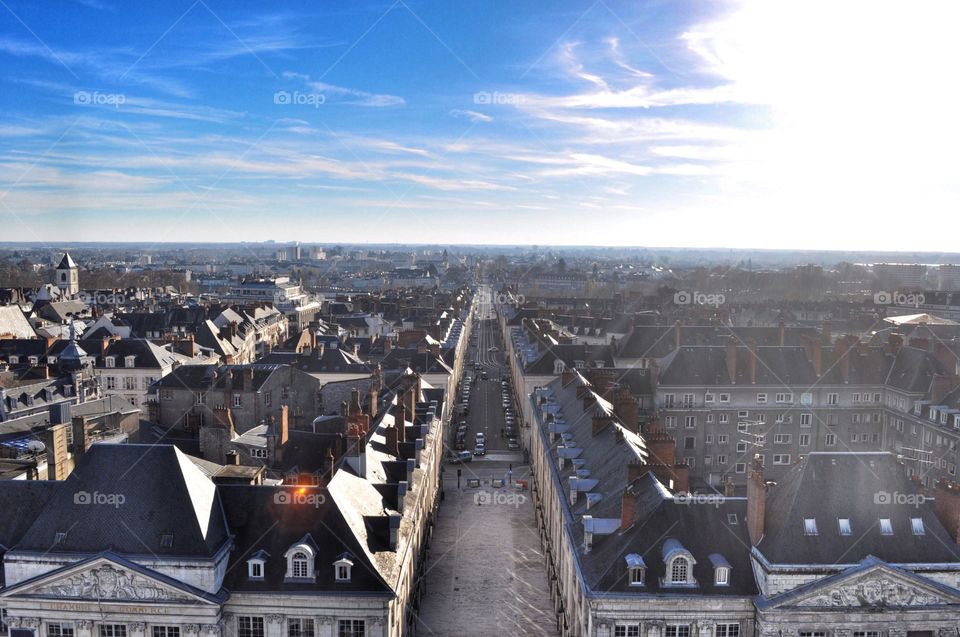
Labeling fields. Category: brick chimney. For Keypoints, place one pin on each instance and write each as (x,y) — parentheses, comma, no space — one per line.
(400,417)
(947,505)
(728,487)
(636,469)
(756,501)
(662,449)
(681,478)
(626,407)
(940,387)
(373,395)
(894,343)
(841,350)
(284,424)
(566,377)
(628,508)
(946,357)
(732,359)
(58,461)
(600,421)
(355,407)
(752,359)
(814,354)
(393,438)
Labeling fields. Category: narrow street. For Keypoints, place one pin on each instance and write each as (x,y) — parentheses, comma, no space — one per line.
(486,575)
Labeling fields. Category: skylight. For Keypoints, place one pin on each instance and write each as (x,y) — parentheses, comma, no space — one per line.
(885,527)
(810,526)
(844,524)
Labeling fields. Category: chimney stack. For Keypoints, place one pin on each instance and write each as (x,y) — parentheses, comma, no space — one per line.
(728,487)
(947,505)
(752,359)
(782,334)
(636,469)
(600,421)
(732,359)
(392,440)
(628,507)
(284,424)
(756,501)
(814,354)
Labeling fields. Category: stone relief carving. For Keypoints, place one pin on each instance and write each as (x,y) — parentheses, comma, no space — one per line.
(873,592)
(107,582)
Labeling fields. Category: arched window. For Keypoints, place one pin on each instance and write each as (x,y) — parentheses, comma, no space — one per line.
(300,559)
(300,564)
(678,571)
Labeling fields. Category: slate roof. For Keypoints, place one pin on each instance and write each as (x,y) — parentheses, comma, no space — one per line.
(14,321)
(262,522)
(163,492)
(211,377)
(66,262)
(828,486)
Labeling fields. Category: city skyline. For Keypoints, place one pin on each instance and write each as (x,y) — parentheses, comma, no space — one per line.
(417,122)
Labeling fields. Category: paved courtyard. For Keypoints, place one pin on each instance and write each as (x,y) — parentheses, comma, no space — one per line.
(485,575)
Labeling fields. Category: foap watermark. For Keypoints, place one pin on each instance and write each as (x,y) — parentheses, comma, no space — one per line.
(714,499)
(102,298)
(698,298)
(500,498)
(299,497)
(899,298)
(501,298)
(297,98)
(97,498)
(96,98)
(496,98)
(910,499)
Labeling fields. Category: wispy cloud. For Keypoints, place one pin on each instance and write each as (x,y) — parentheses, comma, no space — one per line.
(473,116)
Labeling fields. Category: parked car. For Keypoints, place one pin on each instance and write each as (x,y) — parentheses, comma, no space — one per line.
(513,444)
(461,457)
(494,349)
(480,449)
(481,438)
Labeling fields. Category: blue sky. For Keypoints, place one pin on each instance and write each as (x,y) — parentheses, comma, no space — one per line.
(765,124)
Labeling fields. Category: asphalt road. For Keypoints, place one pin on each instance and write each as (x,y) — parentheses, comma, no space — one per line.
(486,412)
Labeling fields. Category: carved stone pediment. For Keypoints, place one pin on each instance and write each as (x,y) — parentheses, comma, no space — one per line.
(107,581)
(878,591)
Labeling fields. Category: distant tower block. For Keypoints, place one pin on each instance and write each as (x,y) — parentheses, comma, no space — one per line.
(68,276)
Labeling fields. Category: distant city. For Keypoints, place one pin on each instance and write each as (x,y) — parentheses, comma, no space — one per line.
(302,440)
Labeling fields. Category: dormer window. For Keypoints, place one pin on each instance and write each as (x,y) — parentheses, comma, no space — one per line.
(885,527)
(300,564)
(129,361)
(810,526)
(636,570)
(844,526)
(300,559)
(255,565)
(917,526)
(343,569)
(721,570)
(679,565)
(111,361)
